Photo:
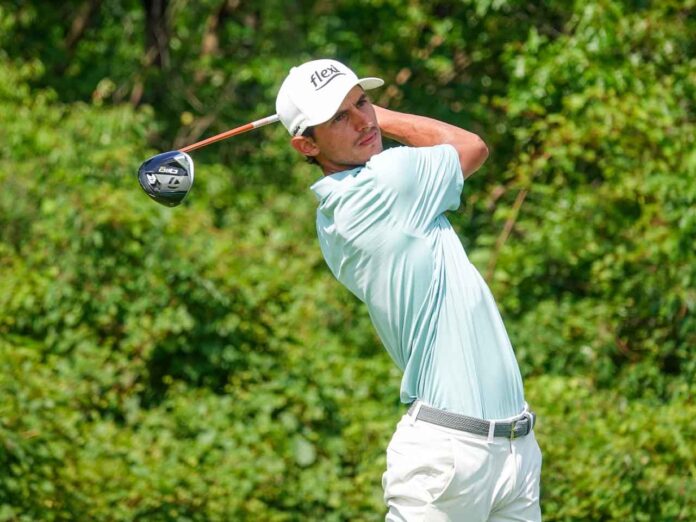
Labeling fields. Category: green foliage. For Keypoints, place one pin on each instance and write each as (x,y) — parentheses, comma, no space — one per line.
(601,265)
(197,455)
(200,363)
(131,327)
(610,458)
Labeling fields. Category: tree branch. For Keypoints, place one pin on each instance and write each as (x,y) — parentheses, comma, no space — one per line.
(502,238)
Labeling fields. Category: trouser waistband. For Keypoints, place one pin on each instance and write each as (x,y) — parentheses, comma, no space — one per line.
(510,429)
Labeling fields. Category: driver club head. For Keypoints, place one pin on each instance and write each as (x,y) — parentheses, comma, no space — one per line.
(167,177)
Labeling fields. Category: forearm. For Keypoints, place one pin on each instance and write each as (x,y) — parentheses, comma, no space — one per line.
(421,131)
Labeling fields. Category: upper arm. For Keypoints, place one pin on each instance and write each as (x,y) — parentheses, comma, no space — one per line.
(421,131)
(427,181)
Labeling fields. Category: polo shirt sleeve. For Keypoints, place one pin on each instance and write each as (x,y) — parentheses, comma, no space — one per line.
(426,181)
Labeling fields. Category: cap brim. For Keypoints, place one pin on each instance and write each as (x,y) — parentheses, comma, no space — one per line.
(370,83)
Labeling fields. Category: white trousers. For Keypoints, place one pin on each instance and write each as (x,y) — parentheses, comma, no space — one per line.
(437,474)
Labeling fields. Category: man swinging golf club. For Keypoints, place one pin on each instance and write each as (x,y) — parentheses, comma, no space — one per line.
(465,449)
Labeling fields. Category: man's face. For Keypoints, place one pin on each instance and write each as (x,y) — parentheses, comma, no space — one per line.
(351,137)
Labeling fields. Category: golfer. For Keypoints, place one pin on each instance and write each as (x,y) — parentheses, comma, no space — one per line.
(465,448)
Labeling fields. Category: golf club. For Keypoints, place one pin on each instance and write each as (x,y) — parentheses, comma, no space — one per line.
(168,177)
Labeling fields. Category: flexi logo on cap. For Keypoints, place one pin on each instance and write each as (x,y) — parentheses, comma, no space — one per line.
(321,78)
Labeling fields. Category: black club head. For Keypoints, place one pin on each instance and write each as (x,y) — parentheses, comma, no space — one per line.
(167,177)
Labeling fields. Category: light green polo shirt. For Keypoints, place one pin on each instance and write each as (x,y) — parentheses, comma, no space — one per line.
(383,233)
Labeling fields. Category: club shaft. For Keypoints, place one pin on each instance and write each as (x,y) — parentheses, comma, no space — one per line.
(233,132)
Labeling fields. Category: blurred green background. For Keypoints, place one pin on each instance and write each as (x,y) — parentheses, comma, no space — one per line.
(201,363)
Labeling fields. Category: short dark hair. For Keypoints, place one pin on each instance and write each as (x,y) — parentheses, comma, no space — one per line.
(309,133)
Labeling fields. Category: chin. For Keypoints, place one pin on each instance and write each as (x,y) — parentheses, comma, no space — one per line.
(374,152)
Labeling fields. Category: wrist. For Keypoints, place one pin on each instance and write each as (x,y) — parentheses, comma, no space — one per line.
(391,124)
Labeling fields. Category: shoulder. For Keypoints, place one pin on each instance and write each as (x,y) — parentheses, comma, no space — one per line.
(403,155)
(402,166)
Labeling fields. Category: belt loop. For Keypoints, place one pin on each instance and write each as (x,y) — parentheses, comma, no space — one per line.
(531,421)
(416,410)
(491,431)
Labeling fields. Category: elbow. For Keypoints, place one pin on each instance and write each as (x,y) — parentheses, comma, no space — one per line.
(482,150)
(473,156)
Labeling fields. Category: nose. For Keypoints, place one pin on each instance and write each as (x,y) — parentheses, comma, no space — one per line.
(360,120)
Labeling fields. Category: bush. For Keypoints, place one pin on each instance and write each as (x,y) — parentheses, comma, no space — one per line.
(610,458)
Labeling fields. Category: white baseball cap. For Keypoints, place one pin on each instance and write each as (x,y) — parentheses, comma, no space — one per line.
(312,93)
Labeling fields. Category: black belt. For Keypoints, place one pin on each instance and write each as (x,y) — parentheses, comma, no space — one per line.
(512,429)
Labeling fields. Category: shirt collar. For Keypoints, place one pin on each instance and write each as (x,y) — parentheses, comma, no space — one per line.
(327,184)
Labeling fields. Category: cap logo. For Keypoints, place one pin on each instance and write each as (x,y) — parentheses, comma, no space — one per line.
(321,78)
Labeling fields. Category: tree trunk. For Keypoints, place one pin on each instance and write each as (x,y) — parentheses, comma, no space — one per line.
(211,37)
(80,23)
(156,33)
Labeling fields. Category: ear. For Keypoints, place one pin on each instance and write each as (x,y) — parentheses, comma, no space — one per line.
(304,145)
